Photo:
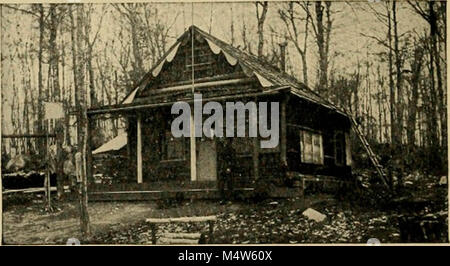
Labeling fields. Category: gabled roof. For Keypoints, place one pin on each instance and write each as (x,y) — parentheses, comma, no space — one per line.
(267,75)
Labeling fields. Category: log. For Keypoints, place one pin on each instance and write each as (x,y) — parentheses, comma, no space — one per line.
(193,219)
(157,221)
(195,236)
(163,240)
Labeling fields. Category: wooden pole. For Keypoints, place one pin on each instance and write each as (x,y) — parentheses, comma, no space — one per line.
(193,148)
(255,151)
(211,232)
(192,121)
(139,149)
(153,228)
(283,129)
(47,187)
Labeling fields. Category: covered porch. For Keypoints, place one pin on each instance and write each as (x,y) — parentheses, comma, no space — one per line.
(159,165)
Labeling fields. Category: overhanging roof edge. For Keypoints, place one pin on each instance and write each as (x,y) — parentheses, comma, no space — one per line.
(133,106)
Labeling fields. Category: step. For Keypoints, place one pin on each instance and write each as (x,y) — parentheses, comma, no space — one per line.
(182,235)
(170,241)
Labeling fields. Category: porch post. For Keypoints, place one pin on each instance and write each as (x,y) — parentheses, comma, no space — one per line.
(283,128)
(255,149)
(193,148)
(139,150)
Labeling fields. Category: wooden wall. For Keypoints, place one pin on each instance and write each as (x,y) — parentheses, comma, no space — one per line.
(307,115)
(300,115)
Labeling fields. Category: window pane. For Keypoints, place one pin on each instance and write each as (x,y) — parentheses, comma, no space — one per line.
(311,147)
(316,149)
(308,149)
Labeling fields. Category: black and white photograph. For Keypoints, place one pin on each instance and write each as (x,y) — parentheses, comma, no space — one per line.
(224,123)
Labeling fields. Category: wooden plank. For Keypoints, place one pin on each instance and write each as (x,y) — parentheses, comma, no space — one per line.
(193,148)
(28,136)
(182,235)
(139,150)
(206,84)
(30,190)
(182,219)
(170,241)
(194,219)
(157,220)
(154,195)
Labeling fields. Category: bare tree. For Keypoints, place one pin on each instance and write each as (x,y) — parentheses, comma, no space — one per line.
(321,23)
(261,17)
(414,83)
(292,19)
(435,18)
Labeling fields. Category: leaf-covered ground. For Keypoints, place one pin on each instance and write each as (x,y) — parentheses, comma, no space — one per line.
(275,222)
(272,221)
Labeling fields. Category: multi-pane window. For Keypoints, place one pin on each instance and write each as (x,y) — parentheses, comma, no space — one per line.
(311,147)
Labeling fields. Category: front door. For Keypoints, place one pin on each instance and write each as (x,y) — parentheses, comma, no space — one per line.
(206,160)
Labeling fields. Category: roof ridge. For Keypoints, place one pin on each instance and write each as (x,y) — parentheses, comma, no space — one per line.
(263,63)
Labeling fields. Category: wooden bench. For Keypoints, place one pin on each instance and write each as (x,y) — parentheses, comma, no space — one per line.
(181,238)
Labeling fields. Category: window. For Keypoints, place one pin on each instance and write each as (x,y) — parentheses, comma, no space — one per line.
(348,150)
(173,148)
(339,148)
(311,147)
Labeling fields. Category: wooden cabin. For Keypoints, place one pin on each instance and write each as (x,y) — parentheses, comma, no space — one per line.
(314,134)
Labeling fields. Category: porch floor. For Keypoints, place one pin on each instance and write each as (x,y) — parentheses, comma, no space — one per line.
(172,189)
(156,190)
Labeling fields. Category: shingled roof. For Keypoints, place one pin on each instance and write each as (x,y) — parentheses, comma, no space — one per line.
(251,64)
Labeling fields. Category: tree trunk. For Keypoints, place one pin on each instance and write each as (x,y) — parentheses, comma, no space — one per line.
(82,123)
(399,77)
(41,144)
(57,97)
(434,32)
(394,141)
(261,19)
(416,68)
(87,29)
(322,40)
